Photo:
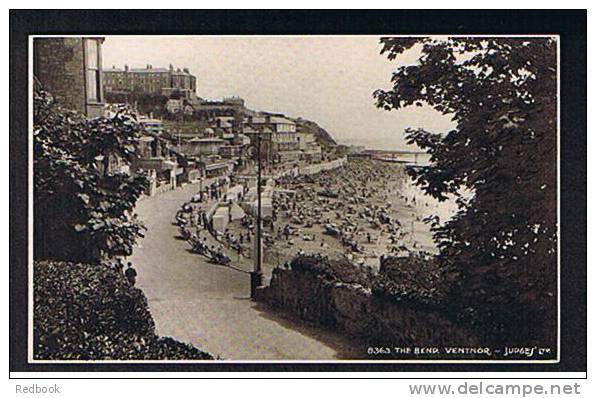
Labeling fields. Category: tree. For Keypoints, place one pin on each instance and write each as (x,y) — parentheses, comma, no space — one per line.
(83,210)
(499,163)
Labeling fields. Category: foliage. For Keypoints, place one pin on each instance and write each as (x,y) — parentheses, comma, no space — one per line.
(84,311)
(418,278)
(331,270)
(144,103)
(83,208)
(501,246)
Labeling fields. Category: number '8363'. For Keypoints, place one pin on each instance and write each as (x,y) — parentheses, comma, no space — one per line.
(379,350)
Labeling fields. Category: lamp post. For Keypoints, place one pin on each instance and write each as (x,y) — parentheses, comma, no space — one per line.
(256,276)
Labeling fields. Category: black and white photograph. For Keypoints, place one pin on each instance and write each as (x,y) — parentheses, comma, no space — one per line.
(294,198)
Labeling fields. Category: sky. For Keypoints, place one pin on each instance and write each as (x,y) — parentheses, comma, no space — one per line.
(326,79)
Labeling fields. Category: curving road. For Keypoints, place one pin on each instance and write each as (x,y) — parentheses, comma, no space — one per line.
(209,305)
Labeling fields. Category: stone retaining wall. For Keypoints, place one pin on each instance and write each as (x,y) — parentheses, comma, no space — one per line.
(313,168)
(354,309)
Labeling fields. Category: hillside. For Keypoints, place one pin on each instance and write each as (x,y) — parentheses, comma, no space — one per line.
(323,137)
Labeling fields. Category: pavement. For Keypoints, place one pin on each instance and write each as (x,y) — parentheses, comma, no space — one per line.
(209,305)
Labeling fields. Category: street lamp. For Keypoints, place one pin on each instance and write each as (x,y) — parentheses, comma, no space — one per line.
(256,276)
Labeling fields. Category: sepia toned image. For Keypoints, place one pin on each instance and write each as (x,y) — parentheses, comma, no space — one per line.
(294,198)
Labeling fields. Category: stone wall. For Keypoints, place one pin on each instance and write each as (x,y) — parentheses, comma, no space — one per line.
(313,169)
(354,309)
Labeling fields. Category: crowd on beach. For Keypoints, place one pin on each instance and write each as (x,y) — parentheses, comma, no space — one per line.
(362,211)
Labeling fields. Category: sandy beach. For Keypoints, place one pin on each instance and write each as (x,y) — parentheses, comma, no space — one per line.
(361,211)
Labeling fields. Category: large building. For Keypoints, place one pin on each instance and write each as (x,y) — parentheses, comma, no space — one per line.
(281,142)
(150,80)
(277,132)
(70,69)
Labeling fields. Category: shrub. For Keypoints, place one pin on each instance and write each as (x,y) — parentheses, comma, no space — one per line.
(84,311)
(331,270)
(418,278)
(83,208)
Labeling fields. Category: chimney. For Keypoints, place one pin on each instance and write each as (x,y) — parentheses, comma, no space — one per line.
(268,119)
(126,68)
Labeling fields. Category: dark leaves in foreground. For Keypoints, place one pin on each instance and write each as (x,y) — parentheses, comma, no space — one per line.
(83,203)
(87,312)
(499,163)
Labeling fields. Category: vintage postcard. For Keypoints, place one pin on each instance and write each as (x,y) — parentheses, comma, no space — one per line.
(295,198)
(334,199)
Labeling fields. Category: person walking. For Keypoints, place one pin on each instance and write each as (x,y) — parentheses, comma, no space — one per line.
(131,274)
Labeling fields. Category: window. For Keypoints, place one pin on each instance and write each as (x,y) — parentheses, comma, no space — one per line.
(92,70)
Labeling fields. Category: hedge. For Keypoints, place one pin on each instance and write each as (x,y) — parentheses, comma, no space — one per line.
(90,312)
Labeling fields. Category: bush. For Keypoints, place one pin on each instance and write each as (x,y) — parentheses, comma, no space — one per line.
(84,311)
(84,209)
(418,278)
(331,270)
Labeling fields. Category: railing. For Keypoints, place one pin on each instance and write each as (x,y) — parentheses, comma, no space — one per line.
(314,168)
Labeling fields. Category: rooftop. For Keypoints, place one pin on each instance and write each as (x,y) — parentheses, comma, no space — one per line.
(248,129)
(147,69)
(273,119)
